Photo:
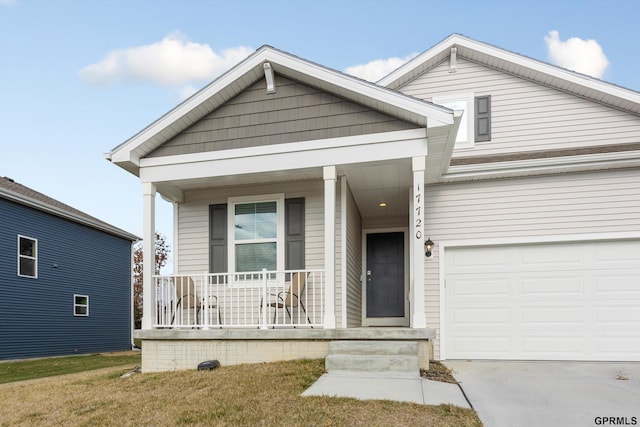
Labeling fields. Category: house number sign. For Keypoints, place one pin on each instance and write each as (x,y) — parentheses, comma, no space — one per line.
(419,213)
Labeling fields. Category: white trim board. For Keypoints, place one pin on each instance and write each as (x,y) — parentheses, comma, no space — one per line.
(563,164)
(386,148)
(525,67)
(242,75)
(287,148)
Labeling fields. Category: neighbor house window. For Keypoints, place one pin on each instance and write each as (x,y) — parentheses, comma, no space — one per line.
(80,305)
(464,102)
(257,234)
(27,257)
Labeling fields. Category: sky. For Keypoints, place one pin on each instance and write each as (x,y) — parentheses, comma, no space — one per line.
(77,78)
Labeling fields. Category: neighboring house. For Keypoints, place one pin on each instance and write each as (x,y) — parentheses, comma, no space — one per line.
(523,179)
(65,278)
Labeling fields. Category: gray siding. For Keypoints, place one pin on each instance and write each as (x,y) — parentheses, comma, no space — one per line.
(574,204)
(527,116)
(354,263)
(36,315)
(339,285)
(296,112)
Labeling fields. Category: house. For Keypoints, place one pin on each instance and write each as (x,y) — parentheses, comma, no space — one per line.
(483,204)
(65,278)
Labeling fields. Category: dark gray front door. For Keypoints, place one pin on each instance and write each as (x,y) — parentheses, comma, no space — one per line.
(385,275)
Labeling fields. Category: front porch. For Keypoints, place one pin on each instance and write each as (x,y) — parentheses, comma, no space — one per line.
(282,172)
(179,349)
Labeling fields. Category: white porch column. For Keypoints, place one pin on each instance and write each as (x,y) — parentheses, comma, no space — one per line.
(329,174)
(418,319)
(148,254)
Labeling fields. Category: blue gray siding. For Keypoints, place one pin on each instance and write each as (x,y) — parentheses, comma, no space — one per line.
(36,315)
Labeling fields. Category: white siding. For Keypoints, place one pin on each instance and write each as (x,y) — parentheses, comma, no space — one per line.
(193,221)
(599,202)
(527,116)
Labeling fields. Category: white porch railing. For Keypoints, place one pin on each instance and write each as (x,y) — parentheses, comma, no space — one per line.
(263,299)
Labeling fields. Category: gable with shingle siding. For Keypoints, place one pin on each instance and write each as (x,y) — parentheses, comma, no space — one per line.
(296,112)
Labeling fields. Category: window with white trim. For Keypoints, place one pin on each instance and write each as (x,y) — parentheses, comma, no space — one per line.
(256,233)
(27,257)
(464,102)
(80,305)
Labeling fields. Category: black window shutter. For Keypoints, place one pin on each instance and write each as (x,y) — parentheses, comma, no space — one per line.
(483,118)
(294,233)
(218,238)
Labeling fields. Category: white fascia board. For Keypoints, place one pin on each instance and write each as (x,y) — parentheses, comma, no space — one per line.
(290,147)
(416,62)
(122,153)
(548,69)
(514,58)
(537,166)
(310,154)
(435,115)
(451,142)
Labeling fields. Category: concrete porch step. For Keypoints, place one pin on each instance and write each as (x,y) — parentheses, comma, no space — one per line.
(398,358)
(407,348)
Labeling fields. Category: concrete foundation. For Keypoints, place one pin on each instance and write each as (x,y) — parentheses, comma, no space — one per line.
(180,349)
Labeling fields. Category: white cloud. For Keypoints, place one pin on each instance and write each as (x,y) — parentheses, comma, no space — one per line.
(375,70)
(187,91)
(7,2)
(583,56)
(174,61)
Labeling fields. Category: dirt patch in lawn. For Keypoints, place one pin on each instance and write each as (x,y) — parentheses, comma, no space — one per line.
(438,372)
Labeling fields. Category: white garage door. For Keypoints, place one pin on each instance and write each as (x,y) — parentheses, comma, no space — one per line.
(564,301)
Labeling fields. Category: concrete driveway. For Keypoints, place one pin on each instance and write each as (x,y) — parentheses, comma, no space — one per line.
(551,393)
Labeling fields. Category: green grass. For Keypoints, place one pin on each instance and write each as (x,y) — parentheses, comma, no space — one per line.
(41,368)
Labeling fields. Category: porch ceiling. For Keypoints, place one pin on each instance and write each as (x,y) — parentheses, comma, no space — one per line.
(374,183)
(370,183)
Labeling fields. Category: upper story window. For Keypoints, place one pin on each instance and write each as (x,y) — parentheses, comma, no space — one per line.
(257,236)
(27,257)
(463,102)
(475,125)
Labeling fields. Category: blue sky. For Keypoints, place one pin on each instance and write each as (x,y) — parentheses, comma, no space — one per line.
(77,78)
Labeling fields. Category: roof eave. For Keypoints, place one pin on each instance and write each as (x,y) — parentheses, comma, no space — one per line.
(423,113)
(465,45)
(44,207)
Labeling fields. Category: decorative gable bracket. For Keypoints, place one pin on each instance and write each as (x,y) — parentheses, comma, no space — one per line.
(269,77)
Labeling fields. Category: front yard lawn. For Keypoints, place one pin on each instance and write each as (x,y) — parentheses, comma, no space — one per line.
(248,395)
(39,368)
